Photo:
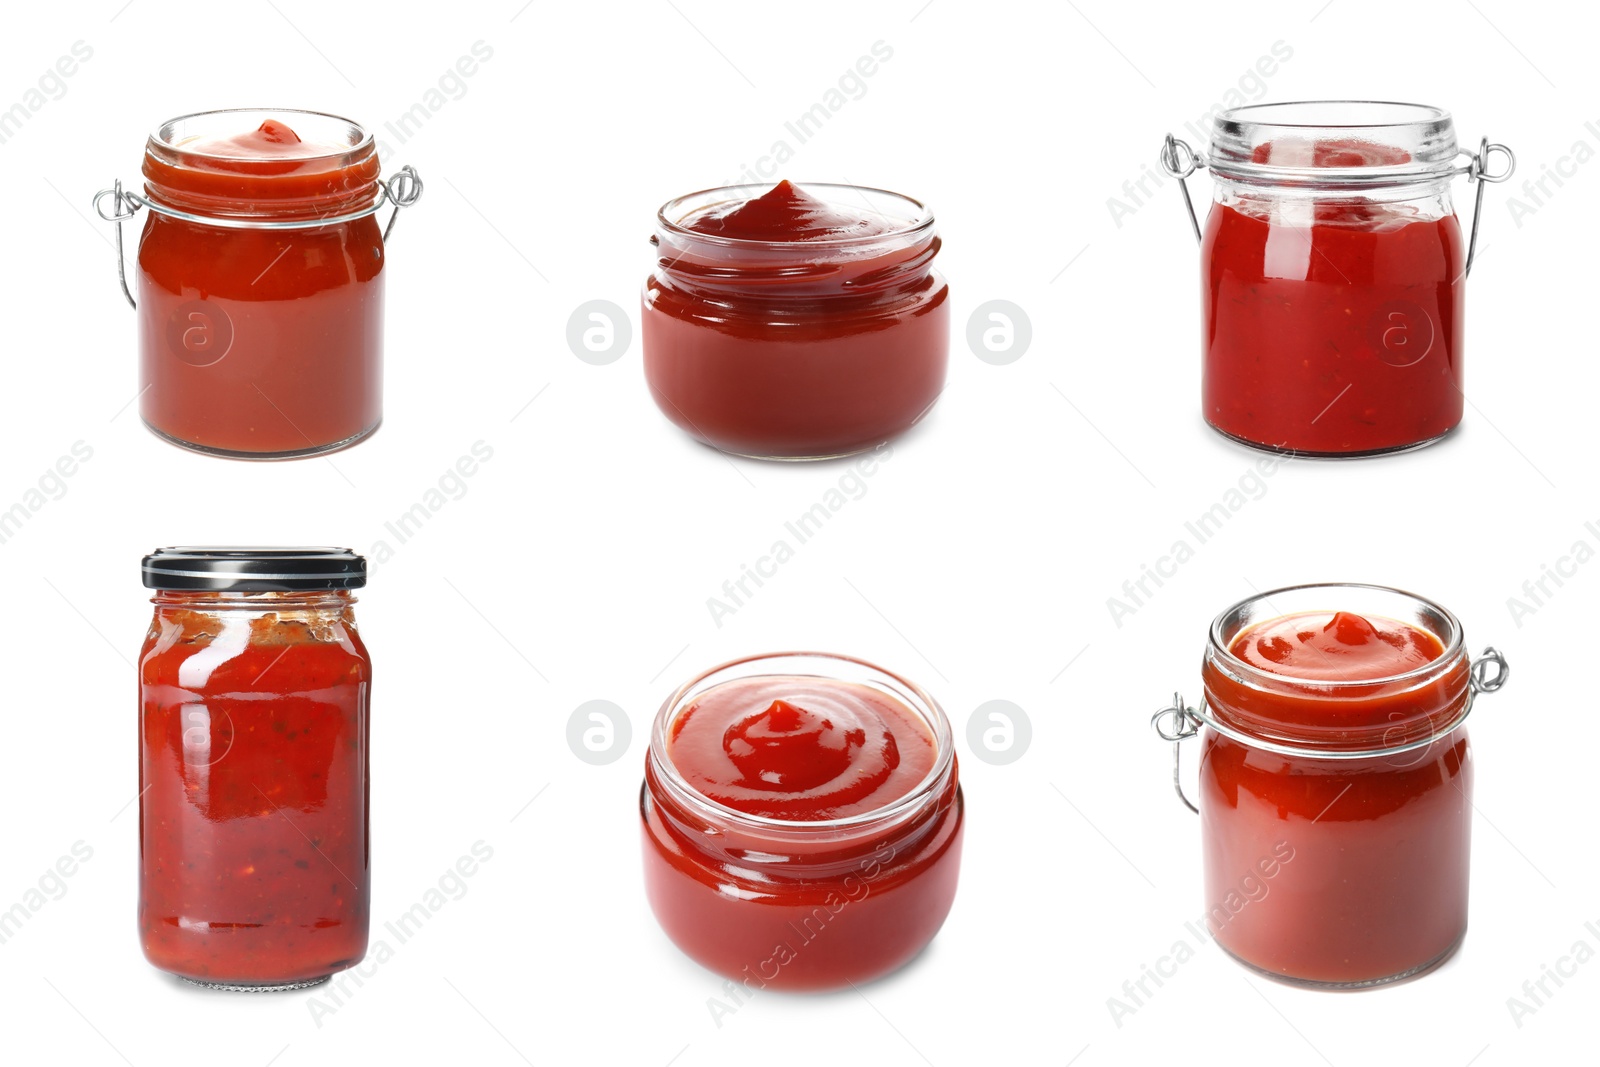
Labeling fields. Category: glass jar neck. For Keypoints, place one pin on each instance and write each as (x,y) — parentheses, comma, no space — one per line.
(798,850)
(719,267)
(774,272)
(1435,191)
(1346,714)
(1334,144)
(798,845)
(191,165)
(315,601)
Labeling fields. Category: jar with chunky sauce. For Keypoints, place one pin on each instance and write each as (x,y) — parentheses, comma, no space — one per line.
(254,867)
(259,277)
(802,821)
(1333,275)
(1335,786)
(796,322)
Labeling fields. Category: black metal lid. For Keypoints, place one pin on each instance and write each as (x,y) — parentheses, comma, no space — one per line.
(253,570)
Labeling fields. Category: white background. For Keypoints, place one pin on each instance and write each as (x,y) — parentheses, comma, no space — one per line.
(578,563)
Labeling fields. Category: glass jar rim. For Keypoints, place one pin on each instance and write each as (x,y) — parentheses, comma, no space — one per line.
(920,701)
(1426,133)
(670,214)
(1452,640)
(162,136)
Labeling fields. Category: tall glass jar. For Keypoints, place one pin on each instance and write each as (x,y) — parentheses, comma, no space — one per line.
(260,282)
(1335,793)
(798,345)
(254,684)
(1333,275)
(825,887)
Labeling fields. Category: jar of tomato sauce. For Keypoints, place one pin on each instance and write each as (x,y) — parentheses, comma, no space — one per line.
(1335,790)
(802,820)
(1333,274)
(797,322)
(254,867)
(260,281)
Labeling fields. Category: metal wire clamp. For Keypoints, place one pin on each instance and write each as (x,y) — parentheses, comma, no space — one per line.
(1177,722)
(400,191)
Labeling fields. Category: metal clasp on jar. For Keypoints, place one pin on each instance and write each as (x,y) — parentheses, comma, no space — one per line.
(402,190)
(1177,722)
(1179,161)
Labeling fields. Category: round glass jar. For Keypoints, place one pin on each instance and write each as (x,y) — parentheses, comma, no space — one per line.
(254,866)
(259,278)
(801,903)
(1335,796)
(1333,275)
(796,349)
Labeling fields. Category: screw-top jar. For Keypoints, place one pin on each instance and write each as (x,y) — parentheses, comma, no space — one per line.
(1335,793)
(260,281)
(254,867)
(1333,274)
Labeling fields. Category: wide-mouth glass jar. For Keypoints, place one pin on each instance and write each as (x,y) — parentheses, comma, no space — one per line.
(1333,274)
(1335,784)
(795,322)
(254,864)
(260,281)
(802,820)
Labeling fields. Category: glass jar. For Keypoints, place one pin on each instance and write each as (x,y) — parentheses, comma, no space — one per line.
(1333,274)
(260,281)
(796,349)
(254,867)
(793,898)
(1335,801)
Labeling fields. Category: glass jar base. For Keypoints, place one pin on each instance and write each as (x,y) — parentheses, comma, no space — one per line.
(1370,983)
(821,458)
(1296,453)
(251,987)
(297,453)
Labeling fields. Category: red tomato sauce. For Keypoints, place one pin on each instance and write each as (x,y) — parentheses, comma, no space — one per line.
(786,326)
(253,771)
(1343,872)
(776,905)
(261,342)
(1332,327)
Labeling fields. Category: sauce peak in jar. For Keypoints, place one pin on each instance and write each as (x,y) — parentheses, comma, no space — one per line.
(1336,646)
(788,213)
(799,748)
